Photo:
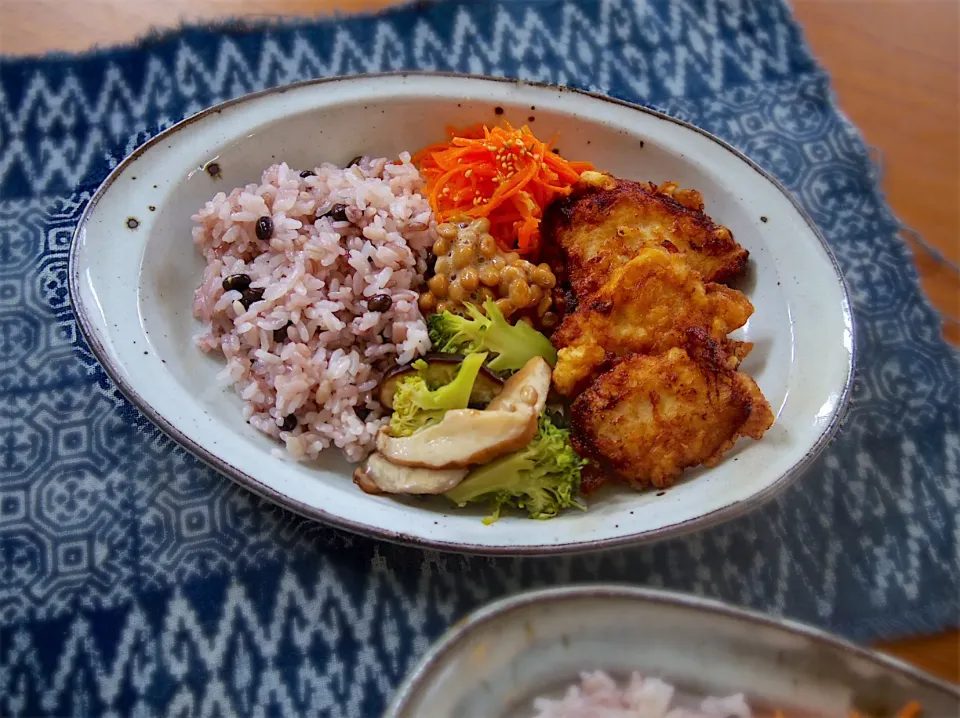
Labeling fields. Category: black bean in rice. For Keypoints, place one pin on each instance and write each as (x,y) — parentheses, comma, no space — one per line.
(301,340)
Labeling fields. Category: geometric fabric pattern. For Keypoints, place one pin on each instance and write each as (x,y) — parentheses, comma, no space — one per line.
(134,580)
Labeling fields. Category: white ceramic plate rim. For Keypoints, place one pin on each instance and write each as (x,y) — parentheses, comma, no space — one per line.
(434,658)
(706,520)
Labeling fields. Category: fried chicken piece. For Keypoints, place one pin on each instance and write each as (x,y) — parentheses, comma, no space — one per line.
(575,366)
(689,198)
(645,307)
(592,478)
(606,221)
(651,417)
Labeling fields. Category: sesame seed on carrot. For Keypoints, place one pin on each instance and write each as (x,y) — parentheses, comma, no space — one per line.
(507,175)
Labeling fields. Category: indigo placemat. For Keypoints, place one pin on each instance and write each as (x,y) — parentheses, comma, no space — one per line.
(134,580)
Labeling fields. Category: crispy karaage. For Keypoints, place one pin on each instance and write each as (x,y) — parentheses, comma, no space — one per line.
(646,306)
(607,221)
(652,416)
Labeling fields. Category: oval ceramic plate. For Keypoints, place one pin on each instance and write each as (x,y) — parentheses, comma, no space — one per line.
(495,661)
(134,270)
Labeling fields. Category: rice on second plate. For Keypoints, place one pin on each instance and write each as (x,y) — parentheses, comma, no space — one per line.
(310,292)
(598,696)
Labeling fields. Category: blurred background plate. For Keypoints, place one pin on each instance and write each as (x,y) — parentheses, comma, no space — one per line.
(494,662)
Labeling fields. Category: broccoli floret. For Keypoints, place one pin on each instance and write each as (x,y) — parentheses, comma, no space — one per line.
(416,405)
(407,417)
(542,478)
(453,334)
(513,344)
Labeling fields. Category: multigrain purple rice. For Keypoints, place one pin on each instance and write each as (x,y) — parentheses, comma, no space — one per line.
(598,695)
(303,348)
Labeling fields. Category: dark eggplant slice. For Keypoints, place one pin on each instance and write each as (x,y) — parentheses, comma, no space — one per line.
(441,369)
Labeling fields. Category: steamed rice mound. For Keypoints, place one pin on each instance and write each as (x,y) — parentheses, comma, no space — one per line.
(311,348)
(598,696)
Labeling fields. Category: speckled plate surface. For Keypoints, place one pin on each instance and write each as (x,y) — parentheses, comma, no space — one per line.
(134,269)
(495,661)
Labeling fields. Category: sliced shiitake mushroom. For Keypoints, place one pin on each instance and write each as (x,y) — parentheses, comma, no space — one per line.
(441,369)
(462,438)
(377,475)
(527,388)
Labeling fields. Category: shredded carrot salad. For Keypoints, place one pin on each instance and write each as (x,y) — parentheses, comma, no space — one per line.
(502,173)
(911,710)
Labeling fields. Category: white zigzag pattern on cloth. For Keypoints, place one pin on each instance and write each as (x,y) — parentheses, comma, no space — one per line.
(140,651)
(224,648)
(688,42)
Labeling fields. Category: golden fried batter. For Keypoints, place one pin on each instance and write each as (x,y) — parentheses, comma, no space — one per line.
(607,220)
(651,417)
(645,307)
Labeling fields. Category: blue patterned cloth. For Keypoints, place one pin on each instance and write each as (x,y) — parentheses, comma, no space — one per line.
(134,580)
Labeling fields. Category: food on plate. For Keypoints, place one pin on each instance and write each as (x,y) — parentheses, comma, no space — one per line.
(542,478)
(607,221)
(508,454)
(528,387)
(378,475)
(461,438)
(646,306)
(643,347)
(504,174)
(419,400)
(488,330)
(913,709)
(470,267)
(598,694)
(395,309)
(652,416)
(438,370)
(310,293)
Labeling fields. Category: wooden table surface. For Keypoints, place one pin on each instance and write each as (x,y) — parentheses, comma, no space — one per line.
(895,67)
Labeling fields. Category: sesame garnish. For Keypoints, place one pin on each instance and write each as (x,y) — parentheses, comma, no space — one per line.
(506,165)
